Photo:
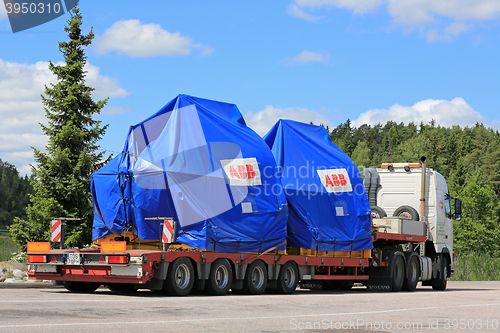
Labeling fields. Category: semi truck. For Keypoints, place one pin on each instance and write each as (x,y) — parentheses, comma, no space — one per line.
(197,201)
(407,248)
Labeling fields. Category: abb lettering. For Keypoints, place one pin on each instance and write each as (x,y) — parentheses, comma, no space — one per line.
(335,180)
(244,172)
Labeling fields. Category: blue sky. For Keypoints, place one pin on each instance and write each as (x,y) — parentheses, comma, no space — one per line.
(324,61)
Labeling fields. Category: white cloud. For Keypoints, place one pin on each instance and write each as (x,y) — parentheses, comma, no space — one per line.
(115,110)
(104,86)
(262,121)
(294,10)
(438,19)
(21,109)
(425,11)
(445,113)
(3,12)
(358,6)
(308,56)
(135,39)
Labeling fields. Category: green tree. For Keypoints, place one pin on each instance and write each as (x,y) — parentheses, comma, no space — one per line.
(361,155)
(14,191)
(413,149)
(63,171)
(479,230)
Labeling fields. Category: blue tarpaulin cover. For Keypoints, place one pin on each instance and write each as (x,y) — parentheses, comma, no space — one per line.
(196,161)
(328,208)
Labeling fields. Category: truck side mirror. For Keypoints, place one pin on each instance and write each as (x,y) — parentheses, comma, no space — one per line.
(458,209)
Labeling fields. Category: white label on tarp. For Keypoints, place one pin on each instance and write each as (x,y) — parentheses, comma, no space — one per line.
(335,180)
(242,171)
(246,207)
(339,211)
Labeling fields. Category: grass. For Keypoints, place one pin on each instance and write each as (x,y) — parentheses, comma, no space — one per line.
(476,267)
(7,247)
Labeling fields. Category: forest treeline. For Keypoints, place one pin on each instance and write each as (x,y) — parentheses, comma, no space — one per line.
(14,194)
(469,159)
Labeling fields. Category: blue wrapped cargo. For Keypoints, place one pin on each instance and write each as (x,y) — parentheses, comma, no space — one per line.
(196,161)
(328,208)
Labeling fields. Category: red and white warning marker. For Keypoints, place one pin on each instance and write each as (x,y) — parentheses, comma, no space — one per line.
(55,230)
(167,235)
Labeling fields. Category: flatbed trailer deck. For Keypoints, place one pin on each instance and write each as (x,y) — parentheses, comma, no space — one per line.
(113,265)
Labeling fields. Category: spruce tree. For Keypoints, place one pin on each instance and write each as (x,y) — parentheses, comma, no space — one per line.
(63,171)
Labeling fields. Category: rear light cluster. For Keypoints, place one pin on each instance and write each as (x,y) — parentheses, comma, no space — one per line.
(37,258)
(117,259)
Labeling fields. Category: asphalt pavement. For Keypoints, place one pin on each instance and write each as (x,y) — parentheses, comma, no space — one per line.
(463,307)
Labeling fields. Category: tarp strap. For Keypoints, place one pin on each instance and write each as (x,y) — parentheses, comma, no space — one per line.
(147,143)
(125,175)
(124,201)
(129,153)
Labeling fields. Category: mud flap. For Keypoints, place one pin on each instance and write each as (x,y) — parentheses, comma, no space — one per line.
(381,276)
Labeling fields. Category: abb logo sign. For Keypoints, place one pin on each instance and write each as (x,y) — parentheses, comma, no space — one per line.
(335,180)
(242,171)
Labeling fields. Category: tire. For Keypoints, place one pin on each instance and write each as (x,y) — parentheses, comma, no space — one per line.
(81,287)
(220,278)
(123,287)
(180,278)
(398,273)
(288,278)
(407,212)
(440,282)
(378,213)
(412,274)
(255,280)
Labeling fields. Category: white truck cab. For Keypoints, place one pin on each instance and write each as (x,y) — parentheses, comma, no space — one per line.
(395,189)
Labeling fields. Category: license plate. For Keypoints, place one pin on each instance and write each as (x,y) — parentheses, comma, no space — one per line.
(73,259)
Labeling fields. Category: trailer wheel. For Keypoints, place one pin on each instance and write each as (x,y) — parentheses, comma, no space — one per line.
(220,278)
(440,282)
(378,212)
(412,274)
(81,287)
(255,280)
(398,273)
(180,278)
(288,278)
(407,212)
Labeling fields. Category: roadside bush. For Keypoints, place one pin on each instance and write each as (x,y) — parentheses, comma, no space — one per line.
(476,267)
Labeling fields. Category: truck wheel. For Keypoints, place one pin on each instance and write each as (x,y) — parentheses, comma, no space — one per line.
(288,278)
(255,280)
(220,278)
(398,273)
(81,287)
(378,213)
(440,282)
(412,274)
(407,212)
(180,278)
